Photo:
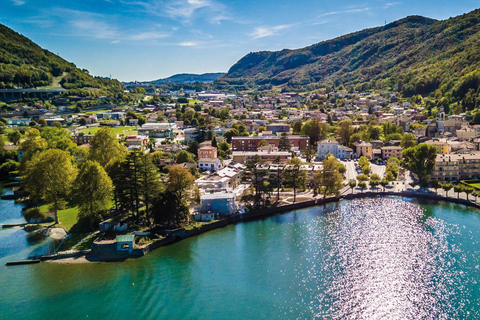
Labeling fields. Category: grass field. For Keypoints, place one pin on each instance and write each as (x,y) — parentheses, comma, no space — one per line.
(67,218)
(472,183)
(119,130)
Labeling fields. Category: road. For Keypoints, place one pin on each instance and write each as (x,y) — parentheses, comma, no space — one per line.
(351,174)
(378,169)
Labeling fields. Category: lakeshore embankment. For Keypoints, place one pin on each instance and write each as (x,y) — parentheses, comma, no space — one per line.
(86,256)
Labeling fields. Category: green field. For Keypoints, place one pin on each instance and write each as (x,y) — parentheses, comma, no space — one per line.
(119,130)
(472,183)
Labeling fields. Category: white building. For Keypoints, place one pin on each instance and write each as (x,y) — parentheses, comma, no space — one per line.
(331,146)
(209,164)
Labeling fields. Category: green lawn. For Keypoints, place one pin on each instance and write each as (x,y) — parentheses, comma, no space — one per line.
(67,218)
(472,183)
(119,130)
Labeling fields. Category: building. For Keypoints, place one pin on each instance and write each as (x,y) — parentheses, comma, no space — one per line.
(278,128)
(299,143)
(442,145)
(81,138)
(207,159)
(207,152)
(136,142)
(222,204)
(190,134)
(158,130)
(206,164)
(391,151)
(456,167)
(264,155)
(224,180)
(331,146)
(363,148)
(125,243)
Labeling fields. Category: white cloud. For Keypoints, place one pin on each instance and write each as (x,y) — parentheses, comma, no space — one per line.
(183,10)
(390,4)
(18,2)
(261,32)
(188,44)
(344,11)
(149,35)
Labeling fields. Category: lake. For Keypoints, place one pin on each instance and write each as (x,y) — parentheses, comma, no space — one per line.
(380,258)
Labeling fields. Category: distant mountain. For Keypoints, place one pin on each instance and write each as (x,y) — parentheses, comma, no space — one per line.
(189,78)
(25,64)
(415,55)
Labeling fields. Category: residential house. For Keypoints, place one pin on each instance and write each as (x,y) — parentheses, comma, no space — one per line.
(363,148)
(456,167)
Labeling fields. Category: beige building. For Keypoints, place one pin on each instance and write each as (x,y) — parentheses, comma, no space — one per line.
(456,167)
(207,152)
(363,148)
(391,151)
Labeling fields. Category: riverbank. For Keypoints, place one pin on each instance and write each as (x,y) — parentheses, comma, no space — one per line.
(86,256)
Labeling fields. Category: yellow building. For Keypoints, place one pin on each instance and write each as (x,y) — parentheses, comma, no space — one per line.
(456,167)
(363,148)
(441,144)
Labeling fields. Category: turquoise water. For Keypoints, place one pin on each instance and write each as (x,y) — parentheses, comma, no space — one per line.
(364,259)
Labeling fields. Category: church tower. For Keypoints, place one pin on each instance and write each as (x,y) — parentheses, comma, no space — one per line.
(441,121)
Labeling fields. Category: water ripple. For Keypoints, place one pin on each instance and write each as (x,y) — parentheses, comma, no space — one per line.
(382,259)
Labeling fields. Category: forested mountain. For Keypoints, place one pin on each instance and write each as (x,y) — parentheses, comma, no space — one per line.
(415,55)
(25,64)
(189,78)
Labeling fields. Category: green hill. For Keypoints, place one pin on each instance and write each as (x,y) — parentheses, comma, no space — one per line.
(415,55)
(25,64)
(189,78)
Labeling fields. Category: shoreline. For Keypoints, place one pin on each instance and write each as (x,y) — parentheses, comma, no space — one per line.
(82,257)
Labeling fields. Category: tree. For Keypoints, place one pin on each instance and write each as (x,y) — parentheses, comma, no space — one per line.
(185,156)
(105,148)
(362,185)
(384,183)
(468,190)
(352,184)
(231,133)
(284,143)
(408,141)
(179,180)
(421,161)
(447,186)
(14,137)
(49,175)
(375,180)
(297,127)
(263,143)
(254,174)
(329,178)
(458,188)
(362,177)
(294,177)
(93,191)
(193,147)
(278,176)
(214,142)
(316,131)
(224,149)
(32,144)
(344,132)
(56,124)
(149,181)
(142,120)
(169,210)
(42,122)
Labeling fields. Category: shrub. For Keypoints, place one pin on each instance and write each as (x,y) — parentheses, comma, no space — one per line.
(34,215)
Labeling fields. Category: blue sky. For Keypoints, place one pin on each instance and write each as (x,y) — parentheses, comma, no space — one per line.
(151,39)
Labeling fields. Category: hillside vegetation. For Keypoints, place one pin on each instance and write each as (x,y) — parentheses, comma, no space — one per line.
(415,55)
(25,64)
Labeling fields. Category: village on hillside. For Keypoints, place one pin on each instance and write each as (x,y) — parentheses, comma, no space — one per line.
(233,152)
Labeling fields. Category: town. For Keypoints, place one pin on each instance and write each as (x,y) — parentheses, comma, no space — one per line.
(127,177)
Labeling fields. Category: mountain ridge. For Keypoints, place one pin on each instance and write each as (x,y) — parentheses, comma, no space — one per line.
(396,54)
